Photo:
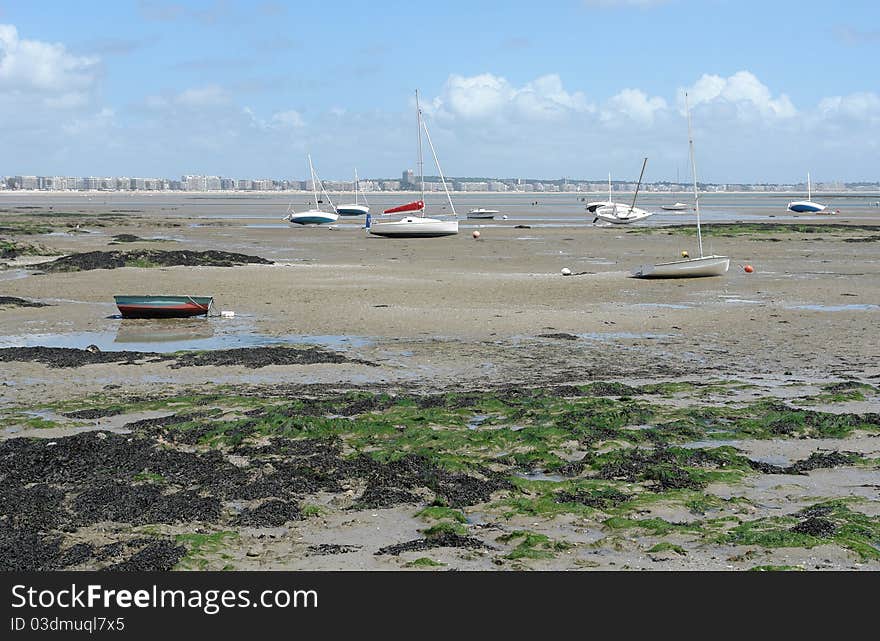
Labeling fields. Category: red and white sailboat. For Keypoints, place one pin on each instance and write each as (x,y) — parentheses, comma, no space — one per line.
(415,224)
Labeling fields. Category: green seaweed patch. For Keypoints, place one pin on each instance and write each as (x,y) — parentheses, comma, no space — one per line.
(149,477)
(547,499)
(310,510)
(532,545)
(667,468)
(24,227)
(424,562)
(769,418)
(666,546)
(840,392)
(440,513)
(829,522)
(656,526)
(444,528)
(202,546)
(12,249)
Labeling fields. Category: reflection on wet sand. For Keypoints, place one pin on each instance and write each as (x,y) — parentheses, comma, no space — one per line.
(163,330)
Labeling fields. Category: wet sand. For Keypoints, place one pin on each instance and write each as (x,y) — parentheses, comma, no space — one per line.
(457,314)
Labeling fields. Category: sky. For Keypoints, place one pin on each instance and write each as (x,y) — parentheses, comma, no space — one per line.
(563,88)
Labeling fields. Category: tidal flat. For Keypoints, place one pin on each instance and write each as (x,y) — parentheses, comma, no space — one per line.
(436,404)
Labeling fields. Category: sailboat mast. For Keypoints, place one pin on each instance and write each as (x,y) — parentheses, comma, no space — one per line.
(809,188)
(421,162)
(639,184)
(609,187)
(439,168)
(355,186)
(314,185)
(694,169)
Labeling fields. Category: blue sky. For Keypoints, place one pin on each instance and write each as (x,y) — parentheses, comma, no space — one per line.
(562,88)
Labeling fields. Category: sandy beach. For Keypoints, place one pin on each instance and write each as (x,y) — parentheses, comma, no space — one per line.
(490,317)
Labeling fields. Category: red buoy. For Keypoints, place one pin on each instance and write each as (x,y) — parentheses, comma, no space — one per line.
(748,269)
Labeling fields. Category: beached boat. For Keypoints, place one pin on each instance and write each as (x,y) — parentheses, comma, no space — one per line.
(688,267)
(594,205)
(420,226)
(354,209)
(618,214)
(313,216)
(676,207)
(806,206)
(482,214)
(163,306)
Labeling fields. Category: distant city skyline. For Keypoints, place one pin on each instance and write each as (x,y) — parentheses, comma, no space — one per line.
(407,182)
(233,88)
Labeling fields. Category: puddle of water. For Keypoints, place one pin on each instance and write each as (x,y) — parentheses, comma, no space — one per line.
(837,308)
(772,459)
(664,305)
(14,274)
(696,445)
(172,335)
(537,475)
(476,421)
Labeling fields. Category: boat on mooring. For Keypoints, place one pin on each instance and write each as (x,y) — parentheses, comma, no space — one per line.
(482,214)
(807,206)
(412,225)
(315,216)
(163,306)
(688,267)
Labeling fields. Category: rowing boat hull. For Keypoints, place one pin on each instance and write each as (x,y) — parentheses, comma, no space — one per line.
(688,268)
(163,306)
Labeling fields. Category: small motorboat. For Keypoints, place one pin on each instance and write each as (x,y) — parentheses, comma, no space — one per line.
(675,207)
(484,214)
(163,306)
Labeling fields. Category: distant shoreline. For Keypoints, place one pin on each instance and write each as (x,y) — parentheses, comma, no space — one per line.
(230,192)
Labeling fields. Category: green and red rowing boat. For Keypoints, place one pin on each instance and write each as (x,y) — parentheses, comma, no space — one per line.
(163,306)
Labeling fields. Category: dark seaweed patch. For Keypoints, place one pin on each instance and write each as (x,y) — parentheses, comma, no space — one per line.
(271,513)
(444,540)
(150,258)
(20,302)
(324,549)
(816,526)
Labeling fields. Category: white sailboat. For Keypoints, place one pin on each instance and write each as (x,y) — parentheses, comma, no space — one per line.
(591,207)
(677,205)
(806,206)
(688,267)
(313,216)
(618,214)
(412,225)
(355,209)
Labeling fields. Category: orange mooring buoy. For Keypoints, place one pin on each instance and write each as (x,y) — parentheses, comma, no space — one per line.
(748,269)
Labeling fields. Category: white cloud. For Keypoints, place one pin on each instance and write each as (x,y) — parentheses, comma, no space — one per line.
(206,96)
(487,96)
(288,119)
(635,105)
(45,69)
(863,106)
(742,90)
